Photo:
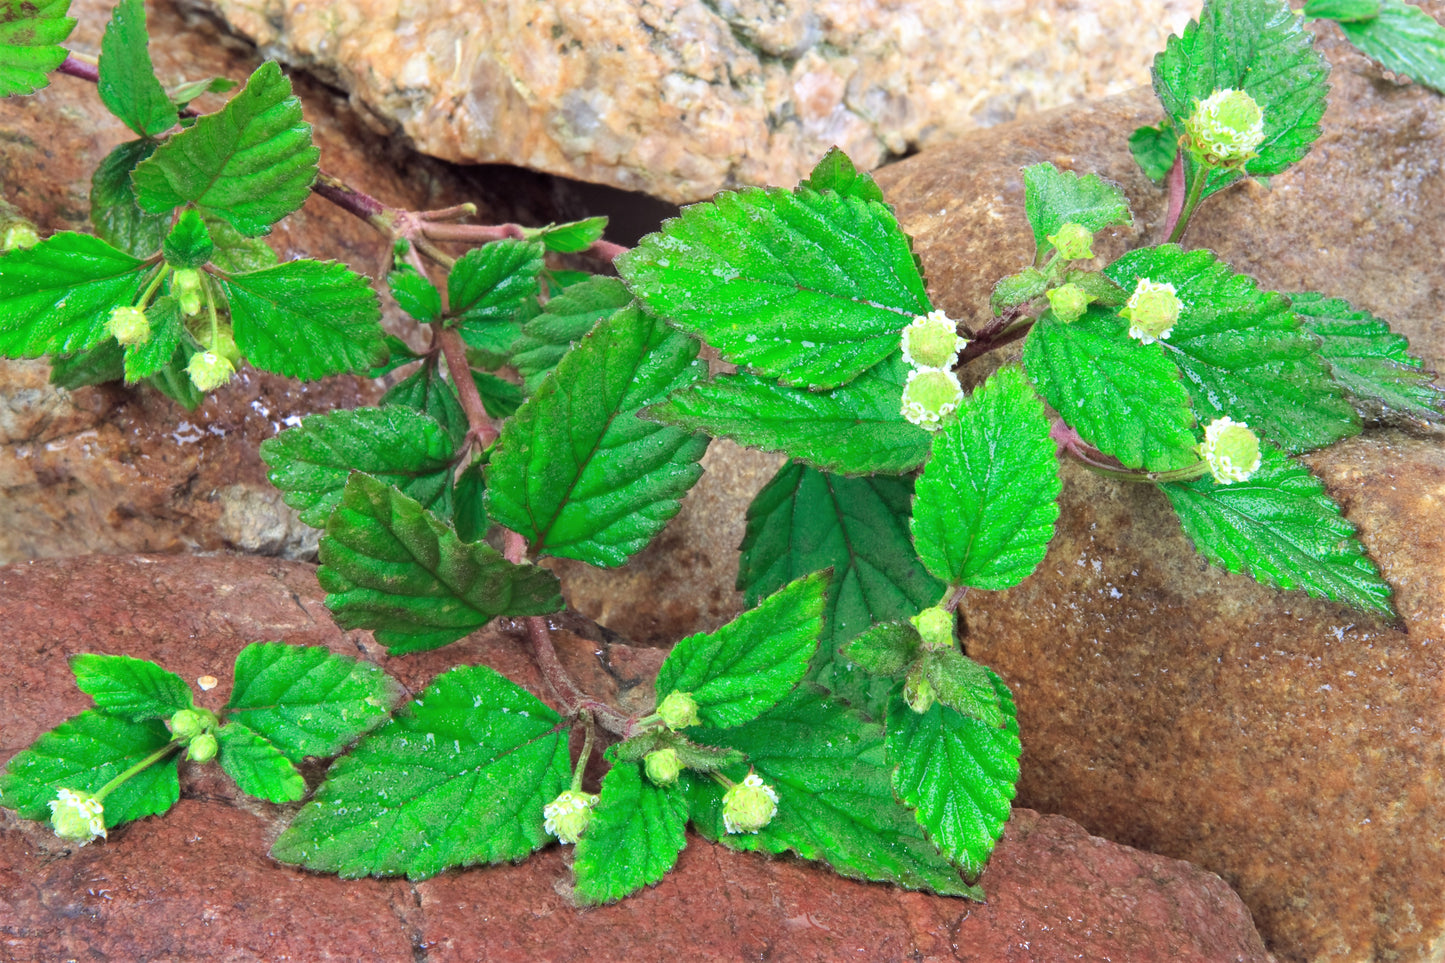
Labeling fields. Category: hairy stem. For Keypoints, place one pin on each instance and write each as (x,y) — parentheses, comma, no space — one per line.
(1070,443)
(1191,197)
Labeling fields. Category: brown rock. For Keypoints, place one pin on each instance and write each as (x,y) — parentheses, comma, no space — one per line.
(196,883)
(683,97)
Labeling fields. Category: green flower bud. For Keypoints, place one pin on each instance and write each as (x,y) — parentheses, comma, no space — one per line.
(189,723)
(935,625)
(129,325)
(932,341)
(918,691)
(749,805)
(202,748)
(225,345)
(77,816)
(678,710)
(1074,242)
(929,396)
(662,766)
(186,287)
(209,370)
(19,234)
(1225,129)
(1151,311)
(1231,450)
(1069,302)
(568,816)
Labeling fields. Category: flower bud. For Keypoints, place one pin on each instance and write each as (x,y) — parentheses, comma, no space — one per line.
(1225,129)
(209,370)
(749,805)
(662,766)
(202,748)
(19,234)
(1231,450)
(225,344)
(189,723)
(678,710)
(568,816)
(935,625)
(129,325)
(1151,311)
(1074,242)
(932,341)
(186,287)
(918,692)
(77,816)
(1068,301)
(929,396)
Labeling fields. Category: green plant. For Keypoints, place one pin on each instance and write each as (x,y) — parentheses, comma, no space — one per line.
(837,717)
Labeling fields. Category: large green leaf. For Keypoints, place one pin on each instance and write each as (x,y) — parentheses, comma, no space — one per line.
(563,322)
(984,507)
(1405,39)
(113,211)
(459,777)
(487,289)
(576,470)
(392,567)
(128,86)
(56,297)
(1281,528)
(250,163)
(134,688)
(1053,198)
(30,34)
(811,288)
(634,837)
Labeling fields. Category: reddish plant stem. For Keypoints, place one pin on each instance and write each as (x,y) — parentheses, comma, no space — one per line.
(1177,192)
(81,69)
(996,334)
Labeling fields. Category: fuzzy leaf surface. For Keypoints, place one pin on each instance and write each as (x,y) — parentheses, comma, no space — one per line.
(128,86)
(426,391)
(886,649)
(113,210)
(414,293)
(810,289)
(573,236)
(134,688)
(102,363)
(634,838)
(392,567)
(1405,39)
(235,253)
(259,768)
(836,172)
(576,470)
(564,321)
(30,36)
(167,329)
(457,778)
(1342,9)
(56,297)
(488,287)
(965,686)
(1053,198)
(1154,149)
(189,244)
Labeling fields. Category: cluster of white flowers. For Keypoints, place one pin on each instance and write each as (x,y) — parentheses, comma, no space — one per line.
(931,346)
(1151,311)
(749,805)
(77,816)
(1231,450)
(568,816)
(1226,128)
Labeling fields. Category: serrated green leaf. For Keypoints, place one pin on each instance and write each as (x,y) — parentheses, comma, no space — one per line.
(564,321)
(1342,10)
(634,837)
(306,319)
(486,289)
(400,446)
(189,244)
(857,429)
(1017,289)
(576,470)
(175,383)
(1123,397)
(459,777)
(1260,47)
(133,688)
(500,398)
(414,293)
(958,773)
(1371,361)
(1405,39)
(102,363)
(250,163)
(84,753)
(113,211)
(128,86)
(307,701)
(183,93)
(258,767)
(984,507)
(569,238)
(30,31)
(886,649)
(836,172)
(425,390)
(1281,529)
(748,665)
(804,520)
(835,799)
(1242,351)
(469,513)
(55,297)
(392,567)
(1053,198)
(1154,149)
(234,253)
(144,360)
(1098,287)
(810,289)
(964,686)
(398,353)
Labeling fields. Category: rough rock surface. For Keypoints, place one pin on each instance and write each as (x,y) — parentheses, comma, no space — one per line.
(680,98)
(196,884)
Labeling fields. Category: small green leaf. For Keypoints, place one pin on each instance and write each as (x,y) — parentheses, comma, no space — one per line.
(1405,39)
(414,293)
(234,253)
(113,211)
(458,778)
(746,666)
(563,322)
(1342,10)
(634,837)
(810,289)
(1371,361)
(488,287)
(189,244)
(1242,351)
(1154,149)
(500,398)
(84,753)
(30,31)
(128,86)
(251,163)
(307,701)
(1053,198)
(469,513)
(985,505)
(958,773)
(1281,529)
(392,567)
(55,297)
(258,767)
(174,382)
(857,429)
(102,363)
(426,391)
(569,238)
(306,319)
(964,686)
(144,360)
(835,799)
(886,649)
(183,93)
(133,688)
(400,446)
(835,172)
(1017,289)
(576,470)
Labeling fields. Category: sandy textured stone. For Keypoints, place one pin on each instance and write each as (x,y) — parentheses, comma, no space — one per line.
(680,98)
(196,884)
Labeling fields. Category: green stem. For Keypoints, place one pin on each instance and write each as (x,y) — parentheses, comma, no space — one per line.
(211,310)
(149,292)
(145,763)
(588,737)
(1191,201)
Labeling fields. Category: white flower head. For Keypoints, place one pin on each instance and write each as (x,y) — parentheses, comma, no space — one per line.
(749,805)
(1231,450)
(932,341)
(1225,128)
(209,370)
(77,816)
(1151,311)
(929,396)
(568,816)
(129,325)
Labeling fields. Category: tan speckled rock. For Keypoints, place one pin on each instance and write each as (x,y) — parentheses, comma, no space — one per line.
(680,98)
